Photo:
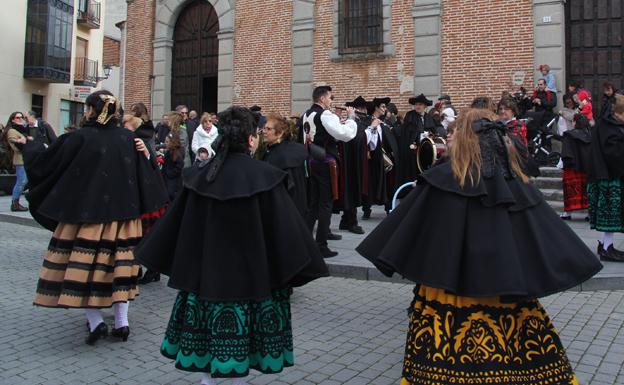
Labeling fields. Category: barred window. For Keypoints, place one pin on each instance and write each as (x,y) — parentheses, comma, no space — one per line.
(361,26)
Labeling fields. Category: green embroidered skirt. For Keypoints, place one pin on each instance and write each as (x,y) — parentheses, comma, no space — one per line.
(226,339)
(605,205)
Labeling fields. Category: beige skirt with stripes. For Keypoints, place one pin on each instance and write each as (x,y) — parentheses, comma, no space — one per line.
(90,265)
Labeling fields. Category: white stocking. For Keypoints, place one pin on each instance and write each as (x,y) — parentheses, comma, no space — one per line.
(208,380)
(94,316)
(121,314)
(607,240)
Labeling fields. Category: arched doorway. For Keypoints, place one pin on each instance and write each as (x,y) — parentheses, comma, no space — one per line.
(595,48)
(195,60)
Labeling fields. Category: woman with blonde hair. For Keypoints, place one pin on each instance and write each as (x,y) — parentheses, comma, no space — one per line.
(205,135)
(482,245)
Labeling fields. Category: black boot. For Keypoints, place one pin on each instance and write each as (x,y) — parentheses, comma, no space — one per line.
(149,276)
(101,331)
(612,254)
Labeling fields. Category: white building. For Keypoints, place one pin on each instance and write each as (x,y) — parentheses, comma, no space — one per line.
(54,57)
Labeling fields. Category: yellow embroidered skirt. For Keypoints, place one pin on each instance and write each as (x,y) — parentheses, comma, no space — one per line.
(462,340)
(90,265)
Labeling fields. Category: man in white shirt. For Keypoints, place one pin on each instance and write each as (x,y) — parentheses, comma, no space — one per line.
(323,129)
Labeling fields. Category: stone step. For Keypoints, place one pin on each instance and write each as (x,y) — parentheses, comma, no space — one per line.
(556,205)
(552,194)
(547,183)
(551,172)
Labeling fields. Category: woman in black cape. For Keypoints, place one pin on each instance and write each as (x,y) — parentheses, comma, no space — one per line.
(576,156)
(285,154)
(91,187)
(233,244)
(481,244)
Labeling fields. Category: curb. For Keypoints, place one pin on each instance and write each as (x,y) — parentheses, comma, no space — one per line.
(366,273)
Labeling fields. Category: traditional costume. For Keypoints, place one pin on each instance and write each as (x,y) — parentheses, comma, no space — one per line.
(605,187)
(409,134)
(481,254)
(576,156)
(291,157)
(234,244)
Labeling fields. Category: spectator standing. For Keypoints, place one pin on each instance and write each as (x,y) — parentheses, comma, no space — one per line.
(146,130)
(548,77)
(15,136)
(39,129)
(204,136)
(176,123)
(608,98)
(192,123)
(162,129)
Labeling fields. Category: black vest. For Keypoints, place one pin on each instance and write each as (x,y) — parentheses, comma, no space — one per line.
(321,137)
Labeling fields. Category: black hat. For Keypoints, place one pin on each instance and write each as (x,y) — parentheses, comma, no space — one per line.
(420,99)
(255,108)
(357,102)
(379,101)
(445,97)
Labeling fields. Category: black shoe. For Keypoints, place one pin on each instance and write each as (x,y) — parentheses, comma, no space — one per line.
(333,237)
(101,331)
(600,251)
(123,333)
(344,226)
(366,215)
(149,276)
(355,229)
(612,254)
(327,253)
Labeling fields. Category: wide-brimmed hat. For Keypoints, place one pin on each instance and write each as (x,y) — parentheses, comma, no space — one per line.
(379,101)
(357,102)
(420,99)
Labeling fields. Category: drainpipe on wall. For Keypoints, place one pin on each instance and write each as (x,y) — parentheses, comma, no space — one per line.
(152,78)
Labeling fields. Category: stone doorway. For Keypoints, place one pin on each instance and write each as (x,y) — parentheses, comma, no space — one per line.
(195,59)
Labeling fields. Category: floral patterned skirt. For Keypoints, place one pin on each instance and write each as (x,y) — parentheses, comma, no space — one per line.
(226,339)
(462,340)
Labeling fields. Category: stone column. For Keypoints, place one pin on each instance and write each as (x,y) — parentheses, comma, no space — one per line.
(427,47)
(549,32)
(302,55)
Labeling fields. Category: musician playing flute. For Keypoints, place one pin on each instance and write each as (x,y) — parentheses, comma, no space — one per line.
(323,130)
(381,172)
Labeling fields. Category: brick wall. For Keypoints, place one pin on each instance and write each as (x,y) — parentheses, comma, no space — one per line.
(139,52)
(483,44)
(263,54)
(381,76)
(111,52)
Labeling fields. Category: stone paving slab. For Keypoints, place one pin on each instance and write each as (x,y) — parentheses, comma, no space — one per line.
(349,264)
(346,331)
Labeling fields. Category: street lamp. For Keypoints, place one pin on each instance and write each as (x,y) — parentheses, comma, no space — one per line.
(107,71)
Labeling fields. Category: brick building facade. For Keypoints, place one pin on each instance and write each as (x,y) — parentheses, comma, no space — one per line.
(273,53)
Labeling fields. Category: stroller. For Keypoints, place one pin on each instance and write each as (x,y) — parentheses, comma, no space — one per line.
(541,134)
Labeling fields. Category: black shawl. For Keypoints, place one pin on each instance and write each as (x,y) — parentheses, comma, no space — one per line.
(576,149)
(92,175)
(607,150)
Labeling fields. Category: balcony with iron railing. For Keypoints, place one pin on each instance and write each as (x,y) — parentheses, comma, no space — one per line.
(89,14)
(86,72)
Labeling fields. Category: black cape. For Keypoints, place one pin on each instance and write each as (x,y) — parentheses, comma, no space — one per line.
(607,150)
(576,149)
(353,169)
(237,238)
(381,184)
(407,134)
(290,157)
(497,238)
(92,175)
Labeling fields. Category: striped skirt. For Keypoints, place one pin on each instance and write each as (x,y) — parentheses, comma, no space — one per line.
(574,190)
(462,340)
(90,265)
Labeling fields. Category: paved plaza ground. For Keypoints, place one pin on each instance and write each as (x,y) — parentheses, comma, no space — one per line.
(347,331)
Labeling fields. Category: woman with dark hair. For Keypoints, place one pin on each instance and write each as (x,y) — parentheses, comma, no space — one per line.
(482,245)
(14,136)
(90,188)
(232,312)
(576,156)
(145,131)
(608,99)
(287,155)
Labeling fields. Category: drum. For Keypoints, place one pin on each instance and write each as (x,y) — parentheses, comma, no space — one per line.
(430,150)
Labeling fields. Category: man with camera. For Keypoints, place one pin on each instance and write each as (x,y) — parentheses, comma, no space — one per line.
(322,130)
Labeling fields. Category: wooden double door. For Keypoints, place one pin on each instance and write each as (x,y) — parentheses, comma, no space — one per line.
(196,58)
(595,49)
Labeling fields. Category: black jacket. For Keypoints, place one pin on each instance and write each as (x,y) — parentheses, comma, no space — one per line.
(290,157)
(607,150)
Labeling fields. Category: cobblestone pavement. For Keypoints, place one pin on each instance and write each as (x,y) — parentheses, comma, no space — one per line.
(346,331)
